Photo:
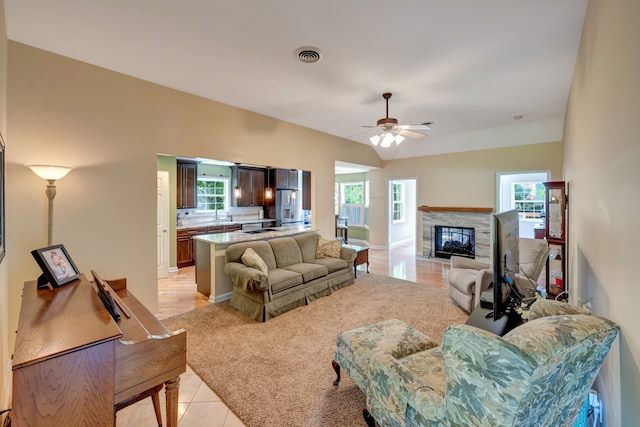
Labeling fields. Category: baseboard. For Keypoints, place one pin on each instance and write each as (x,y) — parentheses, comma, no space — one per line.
(220,298)
(173,269)
(378,247)
(402,242)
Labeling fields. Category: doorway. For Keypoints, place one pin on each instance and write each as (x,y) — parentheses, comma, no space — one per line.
(507,191)
(162,223)
(402,212)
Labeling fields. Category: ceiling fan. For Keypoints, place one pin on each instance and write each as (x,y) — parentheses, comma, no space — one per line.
(389,131)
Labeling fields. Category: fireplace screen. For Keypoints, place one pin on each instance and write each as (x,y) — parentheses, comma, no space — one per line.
(454,241)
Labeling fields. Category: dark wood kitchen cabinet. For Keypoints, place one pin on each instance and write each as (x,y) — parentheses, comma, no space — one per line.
(186,248)
(187,176)
(306,190)
(251,182)
(285,179)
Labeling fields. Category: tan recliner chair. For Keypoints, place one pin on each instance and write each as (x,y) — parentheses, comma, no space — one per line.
(468,278)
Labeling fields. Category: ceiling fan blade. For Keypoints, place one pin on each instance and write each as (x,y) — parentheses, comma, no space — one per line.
(411,134)
(420,127)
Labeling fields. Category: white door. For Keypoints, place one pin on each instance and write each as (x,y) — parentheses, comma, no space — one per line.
(162,223)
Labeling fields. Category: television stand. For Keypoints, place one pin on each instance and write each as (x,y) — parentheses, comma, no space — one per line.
(480,318)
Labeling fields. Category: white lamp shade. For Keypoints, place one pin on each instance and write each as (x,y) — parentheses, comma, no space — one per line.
(399,139)
(50,172)
(375,139)
(387,140)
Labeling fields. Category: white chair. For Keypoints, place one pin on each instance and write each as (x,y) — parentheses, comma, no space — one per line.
(468,278)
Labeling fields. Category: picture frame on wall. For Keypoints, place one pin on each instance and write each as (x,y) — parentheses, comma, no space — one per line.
(57,266)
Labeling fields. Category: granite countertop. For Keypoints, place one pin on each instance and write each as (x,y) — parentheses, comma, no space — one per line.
(244,236)
(215,223)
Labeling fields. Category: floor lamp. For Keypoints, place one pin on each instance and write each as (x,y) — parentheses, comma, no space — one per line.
(51,173)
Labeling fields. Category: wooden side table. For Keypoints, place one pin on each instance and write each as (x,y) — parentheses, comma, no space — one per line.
(362,257)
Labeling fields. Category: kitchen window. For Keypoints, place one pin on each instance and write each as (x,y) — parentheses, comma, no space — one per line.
(212,194)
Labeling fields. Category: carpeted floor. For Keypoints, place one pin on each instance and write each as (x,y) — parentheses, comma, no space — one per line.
(279,373)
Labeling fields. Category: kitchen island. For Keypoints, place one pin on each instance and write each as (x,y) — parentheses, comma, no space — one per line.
(211,280)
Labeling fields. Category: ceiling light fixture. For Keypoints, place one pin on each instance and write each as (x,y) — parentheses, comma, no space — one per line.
(385,139)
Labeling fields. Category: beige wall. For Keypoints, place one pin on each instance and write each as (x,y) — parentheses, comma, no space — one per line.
(5,372)
(460,179)
(111,127)
(602,168)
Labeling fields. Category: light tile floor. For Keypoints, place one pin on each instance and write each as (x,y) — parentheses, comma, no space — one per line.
(198,406)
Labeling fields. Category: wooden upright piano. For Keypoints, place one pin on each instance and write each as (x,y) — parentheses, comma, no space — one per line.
(73,362)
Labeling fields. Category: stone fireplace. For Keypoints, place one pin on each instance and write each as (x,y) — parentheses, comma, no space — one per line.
(450,241)
(458,221)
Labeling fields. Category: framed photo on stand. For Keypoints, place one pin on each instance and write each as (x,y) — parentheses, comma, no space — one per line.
(56,265)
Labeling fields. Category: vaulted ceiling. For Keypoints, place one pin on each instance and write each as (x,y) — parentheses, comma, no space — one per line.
(488,73)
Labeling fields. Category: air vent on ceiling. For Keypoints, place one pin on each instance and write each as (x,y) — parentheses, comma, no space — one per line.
(308,54)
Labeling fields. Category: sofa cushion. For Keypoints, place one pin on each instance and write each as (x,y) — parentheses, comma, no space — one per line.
(308,242)
(262,248)
(309,271)
(282,279)
(286,251)
(251,259)
(332,264)
(328,248)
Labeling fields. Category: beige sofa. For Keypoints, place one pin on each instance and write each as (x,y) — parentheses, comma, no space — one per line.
(297,274)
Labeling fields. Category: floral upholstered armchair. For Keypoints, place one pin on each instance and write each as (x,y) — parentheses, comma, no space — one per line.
(539,374)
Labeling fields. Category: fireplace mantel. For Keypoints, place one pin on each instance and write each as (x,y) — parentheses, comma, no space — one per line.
(453,209)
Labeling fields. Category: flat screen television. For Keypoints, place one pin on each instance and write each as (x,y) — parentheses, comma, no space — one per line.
(506,230)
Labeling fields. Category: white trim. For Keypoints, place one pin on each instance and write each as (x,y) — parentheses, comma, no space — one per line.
(220,298)
(173,269)
(401,242)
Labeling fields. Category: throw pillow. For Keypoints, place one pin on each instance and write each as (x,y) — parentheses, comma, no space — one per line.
(251,259)
(328,248)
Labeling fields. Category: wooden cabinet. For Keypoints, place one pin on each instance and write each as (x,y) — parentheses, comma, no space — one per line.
(251,182)
(185,252)
(187,173)
(556,235)
(186,248)
(285,179)
(306,190)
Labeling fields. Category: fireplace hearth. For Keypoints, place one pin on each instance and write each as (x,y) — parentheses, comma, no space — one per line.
(448,241)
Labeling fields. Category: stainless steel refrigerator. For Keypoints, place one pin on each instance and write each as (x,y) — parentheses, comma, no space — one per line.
(288,207)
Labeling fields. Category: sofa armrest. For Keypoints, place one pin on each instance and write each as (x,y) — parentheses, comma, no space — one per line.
(484,279)
(462,262)
(248,279)
(348,255)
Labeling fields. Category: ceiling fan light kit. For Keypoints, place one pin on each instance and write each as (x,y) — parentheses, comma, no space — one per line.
(391,131)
